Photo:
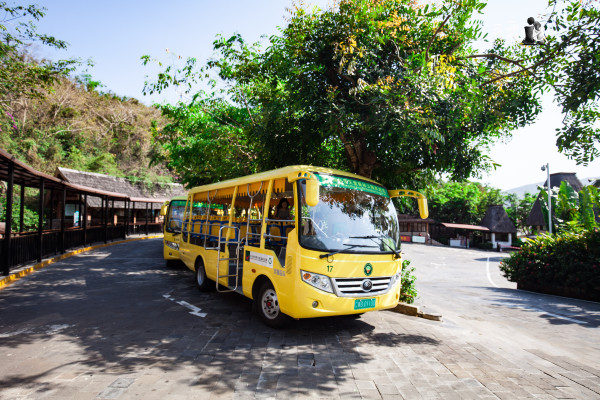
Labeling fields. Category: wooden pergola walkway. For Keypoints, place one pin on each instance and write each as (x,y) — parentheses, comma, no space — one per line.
(21,247)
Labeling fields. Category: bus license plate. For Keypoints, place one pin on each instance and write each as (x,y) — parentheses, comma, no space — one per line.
(360,304)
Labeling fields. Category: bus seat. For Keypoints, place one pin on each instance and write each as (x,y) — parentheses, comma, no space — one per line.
(275,230)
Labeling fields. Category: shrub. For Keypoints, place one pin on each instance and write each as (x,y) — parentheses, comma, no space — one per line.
(566,259)
(486,246)
(408,293)
(518,242)
(30,217)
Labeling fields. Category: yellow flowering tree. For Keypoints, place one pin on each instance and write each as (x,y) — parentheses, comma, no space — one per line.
(383,88)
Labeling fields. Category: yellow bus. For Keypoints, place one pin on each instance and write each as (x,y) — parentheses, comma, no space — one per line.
(174,208)
(333,249)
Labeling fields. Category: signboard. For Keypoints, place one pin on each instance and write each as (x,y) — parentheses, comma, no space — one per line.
(354,184)
(76,219)
(260,259)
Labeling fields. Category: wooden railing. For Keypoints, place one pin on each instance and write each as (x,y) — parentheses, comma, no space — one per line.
(25,248)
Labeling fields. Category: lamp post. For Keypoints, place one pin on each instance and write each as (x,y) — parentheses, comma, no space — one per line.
(547,168)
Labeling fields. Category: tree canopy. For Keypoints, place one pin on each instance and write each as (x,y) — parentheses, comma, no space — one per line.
(21,74)
(388,89)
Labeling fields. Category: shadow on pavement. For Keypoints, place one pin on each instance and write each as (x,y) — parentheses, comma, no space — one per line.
(104,312)
(556,310)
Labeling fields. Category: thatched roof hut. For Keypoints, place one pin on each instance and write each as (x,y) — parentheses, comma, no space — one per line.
(497,221)
(536,217)
(140,190)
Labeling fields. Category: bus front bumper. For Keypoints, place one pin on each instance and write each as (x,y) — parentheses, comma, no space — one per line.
(310,302)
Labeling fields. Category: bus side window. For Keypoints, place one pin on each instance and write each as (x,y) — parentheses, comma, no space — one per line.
(186,220)
(175,216)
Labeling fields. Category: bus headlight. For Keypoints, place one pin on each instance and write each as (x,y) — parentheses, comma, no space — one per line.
(172,245)
(396,278)
(319,281)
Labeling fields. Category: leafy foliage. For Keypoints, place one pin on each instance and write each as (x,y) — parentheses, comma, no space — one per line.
(20,74)
(568,65)
(518,210)
(461,202)
(73,127)
(205,142)
(408,291)
(566,259)
(30,217)
(383,88)
(572,211)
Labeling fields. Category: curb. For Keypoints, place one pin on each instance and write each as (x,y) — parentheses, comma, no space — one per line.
(409,309)
(30,270)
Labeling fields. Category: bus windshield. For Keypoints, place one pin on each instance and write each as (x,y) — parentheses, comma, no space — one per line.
(352,216)
(175,216)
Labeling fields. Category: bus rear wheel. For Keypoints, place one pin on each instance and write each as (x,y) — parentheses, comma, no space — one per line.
(204,284)
(268,307)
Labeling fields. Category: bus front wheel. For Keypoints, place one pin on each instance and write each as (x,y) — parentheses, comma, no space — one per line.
(203,283)
(268,307)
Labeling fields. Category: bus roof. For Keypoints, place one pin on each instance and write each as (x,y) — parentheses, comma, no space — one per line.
(182,197)
(274,174)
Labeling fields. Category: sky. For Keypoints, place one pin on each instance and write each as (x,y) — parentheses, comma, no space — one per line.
(115,34)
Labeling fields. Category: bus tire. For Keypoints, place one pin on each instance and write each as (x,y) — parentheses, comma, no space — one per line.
(268,307)
(202,282)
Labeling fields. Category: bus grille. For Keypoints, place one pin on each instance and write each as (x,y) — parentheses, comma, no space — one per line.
(358,287)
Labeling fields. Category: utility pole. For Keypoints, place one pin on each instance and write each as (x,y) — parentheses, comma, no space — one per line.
(547,169)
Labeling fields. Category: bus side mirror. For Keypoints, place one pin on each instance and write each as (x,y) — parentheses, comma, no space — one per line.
(421,200)
(163,209)
(312,192)
(423,209)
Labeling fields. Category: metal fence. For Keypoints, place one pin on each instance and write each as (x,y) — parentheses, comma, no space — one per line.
(29,247)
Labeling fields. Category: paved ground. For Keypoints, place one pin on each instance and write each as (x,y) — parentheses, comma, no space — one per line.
(116,324)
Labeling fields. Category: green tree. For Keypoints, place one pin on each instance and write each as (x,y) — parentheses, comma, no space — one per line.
(567,65)
(20,74)
(30,217)
(385,88)
(461,202)
(206,142)
(518,209)
(572,211)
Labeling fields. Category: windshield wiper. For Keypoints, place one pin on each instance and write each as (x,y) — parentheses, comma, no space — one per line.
(382,241)
(339,251)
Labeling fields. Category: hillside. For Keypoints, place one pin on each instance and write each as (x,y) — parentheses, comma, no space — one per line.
(74,126)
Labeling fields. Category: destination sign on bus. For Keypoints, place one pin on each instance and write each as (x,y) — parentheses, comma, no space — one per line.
(349,183)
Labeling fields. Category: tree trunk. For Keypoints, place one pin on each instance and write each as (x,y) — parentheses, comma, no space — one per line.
(362,161)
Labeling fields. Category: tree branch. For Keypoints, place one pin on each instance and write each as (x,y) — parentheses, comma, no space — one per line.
(492,55)
(434,35)
(247,107)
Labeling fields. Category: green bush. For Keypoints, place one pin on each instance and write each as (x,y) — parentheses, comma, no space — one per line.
(566,259)
(518,242)
(408,293)
(486,246)
(30,217)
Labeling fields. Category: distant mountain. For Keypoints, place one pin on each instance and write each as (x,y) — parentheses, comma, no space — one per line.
(533,187)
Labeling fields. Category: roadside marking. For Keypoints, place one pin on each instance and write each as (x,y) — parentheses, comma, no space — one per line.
(210,340)
(535,309)
(489,276)
(195,310)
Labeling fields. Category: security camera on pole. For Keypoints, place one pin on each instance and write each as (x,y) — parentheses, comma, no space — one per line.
(547,168)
